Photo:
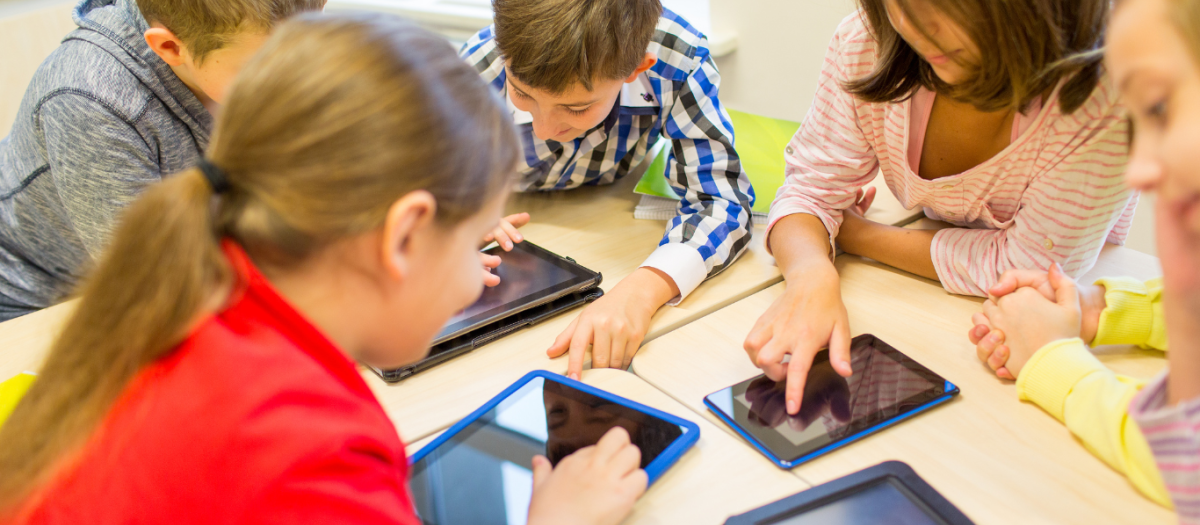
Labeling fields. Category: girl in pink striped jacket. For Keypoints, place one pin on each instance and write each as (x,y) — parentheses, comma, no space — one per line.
(995,117)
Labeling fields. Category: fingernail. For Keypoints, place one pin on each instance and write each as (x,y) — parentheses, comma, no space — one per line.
(574,376)
(994,337)
(791,407)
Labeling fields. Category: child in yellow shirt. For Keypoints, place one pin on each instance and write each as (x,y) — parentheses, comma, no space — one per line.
(1035,325)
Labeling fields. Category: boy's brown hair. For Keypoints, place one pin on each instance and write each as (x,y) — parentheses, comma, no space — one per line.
(1026,48)
(552,44)
(208,25)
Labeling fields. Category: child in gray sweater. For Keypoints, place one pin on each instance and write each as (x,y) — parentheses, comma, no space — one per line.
(126,100)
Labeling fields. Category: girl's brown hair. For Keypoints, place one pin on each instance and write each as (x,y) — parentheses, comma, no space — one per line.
(1026,48)
(335,119)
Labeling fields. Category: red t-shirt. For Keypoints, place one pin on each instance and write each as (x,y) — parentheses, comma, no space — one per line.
(255,418)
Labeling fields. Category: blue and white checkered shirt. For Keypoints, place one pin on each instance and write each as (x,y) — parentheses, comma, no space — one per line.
(675,99)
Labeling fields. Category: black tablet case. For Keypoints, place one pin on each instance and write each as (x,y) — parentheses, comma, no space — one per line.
(462,344)
(789,507)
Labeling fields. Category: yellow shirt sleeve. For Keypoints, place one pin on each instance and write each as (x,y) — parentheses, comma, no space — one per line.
(1134,315)
(11,392)
(1069,383)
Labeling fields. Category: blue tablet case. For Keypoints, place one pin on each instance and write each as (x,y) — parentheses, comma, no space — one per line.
(951,390)
(668,457)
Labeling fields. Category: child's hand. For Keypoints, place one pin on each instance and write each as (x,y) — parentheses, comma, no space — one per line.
(596,485)
(808,316)
(506,232)
(490,262)
(1091,299)
(1024,321)
(616,323)
(862,201)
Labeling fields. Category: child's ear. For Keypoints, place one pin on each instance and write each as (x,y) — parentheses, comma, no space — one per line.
(647,62)
(406,217)
(165,44)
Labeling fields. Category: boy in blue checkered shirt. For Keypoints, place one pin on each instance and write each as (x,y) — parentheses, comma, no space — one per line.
(593,85)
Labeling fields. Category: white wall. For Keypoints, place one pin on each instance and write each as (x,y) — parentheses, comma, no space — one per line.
(781,46)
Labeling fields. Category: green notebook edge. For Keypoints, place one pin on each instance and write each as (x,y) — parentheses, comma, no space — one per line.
(759,141)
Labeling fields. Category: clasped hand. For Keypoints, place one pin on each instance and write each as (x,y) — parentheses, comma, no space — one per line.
(1028,309)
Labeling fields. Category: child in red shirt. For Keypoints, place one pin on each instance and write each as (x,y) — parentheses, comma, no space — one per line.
(208,376)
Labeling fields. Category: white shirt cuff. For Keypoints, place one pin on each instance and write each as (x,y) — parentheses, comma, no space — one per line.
(682,263)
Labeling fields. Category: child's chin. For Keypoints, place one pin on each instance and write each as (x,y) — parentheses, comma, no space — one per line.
(1191,216)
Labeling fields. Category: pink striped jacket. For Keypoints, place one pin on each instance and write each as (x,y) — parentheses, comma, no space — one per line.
(1056,194)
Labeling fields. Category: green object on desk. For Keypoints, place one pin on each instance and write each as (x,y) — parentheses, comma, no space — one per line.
(759,141)
(11,392)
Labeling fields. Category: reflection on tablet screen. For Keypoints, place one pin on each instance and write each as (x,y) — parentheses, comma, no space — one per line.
(521,274)
(482,474)
(886,503)
(885,384)
(526,277)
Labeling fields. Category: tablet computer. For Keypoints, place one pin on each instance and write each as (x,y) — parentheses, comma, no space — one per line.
(886,388)
(479,471)
(889,493)
(529,276)
(535,284)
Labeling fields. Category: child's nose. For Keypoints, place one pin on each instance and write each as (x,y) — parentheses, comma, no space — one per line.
(543,128)
(1143,173)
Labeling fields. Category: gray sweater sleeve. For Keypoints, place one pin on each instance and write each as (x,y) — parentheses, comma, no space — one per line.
(99,161)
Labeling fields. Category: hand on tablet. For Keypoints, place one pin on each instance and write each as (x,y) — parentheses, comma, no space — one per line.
(615,324)
(825,392)
(808,317)
(506,232)
(490,262)
(595,485)
(1024,321)
(505,235)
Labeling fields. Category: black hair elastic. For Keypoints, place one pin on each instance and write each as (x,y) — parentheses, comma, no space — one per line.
(215,176)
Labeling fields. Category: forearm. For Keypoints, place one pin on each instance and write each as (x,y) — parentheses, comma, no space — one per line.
(646,286)
(906,249)
(1067,381)
(801,246)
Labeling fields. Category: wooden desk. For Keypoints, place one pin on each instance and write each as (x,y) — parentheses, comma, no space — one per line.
(595,226)
(25,340)
(1000,460)
(717,478)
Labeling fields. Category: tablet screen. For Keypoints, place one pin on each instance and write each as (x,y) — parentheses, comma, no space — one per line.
(885,384)
(529,276)
(885,503)
(483,473)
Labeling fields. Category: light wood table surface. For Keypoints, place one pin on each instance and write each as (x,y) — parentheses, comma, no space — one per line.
(717,478)
(595,226)
(998,459)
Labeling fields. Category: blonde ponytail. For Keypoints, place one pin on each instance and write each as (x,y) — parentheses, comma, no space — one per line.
(163,266)
(332,121)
